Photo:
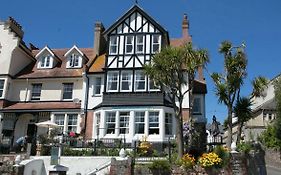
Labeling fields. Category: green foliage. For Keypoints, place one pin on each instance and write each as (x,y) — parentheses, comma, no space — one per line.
(224,154)
(242,109)
(245,147)
(160,164)
(269,139)
(75,152)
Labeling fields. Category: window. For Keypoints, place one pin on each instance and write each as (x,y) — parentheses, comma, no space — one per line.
(155,43)
(110,122)
(45,61)
(97,86)
(152,86)
(72,122)
(140,81)
(36,91)
(139,122)
(153,123)
(140,44)
(112,81)
(113,45)
(124,122)
(67,91)
(74,60)
(97,123)
(126,81)
(196,106)
(129,44)
(70,125)
(59,120)
(168,123)
(1,87)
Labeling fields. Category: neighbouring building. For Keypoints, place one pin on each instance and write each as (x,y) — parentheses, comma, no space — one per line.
(100,92)
(264,112)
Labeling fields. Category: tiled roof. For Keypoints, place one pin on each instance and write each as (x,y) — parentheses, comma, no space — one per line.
(98,64)
(42,106)
(59,70)
(177,42)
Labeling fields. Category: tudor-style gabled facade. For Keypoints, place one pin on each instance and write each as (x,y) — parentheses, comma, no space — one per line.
(123,102)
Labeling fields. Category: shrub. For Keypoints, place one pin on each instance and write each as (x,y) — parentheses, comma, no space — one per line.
(210,160)
(76,152)
(223,153)
(244,147)
(187,161)
(160,164)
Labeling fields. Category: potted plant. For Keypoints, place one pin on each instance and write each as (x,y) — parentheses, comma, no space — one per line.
(160,167)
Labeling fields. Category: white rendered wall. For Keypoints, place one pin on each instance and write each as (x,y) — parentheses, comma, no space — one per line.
(94,100)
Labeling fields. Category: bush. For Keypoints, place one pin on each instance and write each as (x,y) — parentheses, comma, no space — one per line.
(224,154)
(210,160)
(187,161)
(269,139)
(160,164)
(76,152)
(244,147)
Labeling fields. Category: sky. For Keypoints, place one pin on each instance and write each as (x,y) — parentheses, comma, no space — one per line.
(63,23)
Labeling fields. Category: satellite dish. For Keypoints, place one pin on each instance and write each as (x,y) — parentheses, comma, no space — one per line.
(76,100)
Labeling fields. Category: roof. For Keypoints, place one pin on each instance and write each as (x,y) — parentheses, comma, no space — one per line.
(177,42)
(38,105)
(60,70)
(98,64)
(142,12)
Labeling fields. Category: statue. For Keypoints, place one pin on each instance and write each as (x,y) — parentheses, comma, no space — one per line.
(215,127)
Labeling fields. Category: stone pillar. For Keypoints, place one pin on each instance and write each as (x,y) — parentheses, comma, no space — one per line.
(123,167)
(238,164)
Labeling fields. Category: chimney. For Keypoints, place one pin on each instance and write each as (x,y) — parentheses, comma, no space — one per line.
(200,74)
(185,27)
(99,41)
(15,27)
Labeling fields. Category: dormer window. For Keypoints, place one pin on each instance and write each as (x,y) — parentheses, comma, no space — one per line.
(74,60)
(45,61)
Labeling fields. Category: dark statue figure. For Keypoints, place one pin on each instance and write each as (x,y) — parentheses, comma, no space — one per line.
(215,127)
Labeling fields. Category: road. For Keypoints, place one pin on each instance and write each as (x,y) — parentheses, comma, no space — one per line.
(273,170)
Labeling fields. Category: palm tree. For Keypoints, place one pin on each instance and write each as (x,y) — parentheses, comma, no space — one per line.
(243,112)
(228,83)
(172,69)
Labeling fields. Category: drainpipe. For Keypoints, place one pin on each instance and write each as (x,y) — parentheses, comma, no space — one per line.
(85,110)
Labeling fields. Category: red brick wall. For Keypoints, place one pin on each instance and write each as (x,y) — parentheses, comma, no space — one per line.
(89,125)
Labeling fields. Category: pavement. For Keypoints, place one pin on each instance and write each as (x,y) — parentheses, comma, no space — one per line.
(273,170)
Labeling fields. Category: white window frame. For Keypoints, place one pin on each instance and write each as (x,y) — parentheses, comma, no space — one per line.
(2,85)
(129,44)
(113,44)
(168,123)
(139,120)
(45,60)
(110,120)
(139,43)
(124,124)
(74,61)
(153,119)
(156,43)
(64,91)
(65,124)
(98,123)
(199,110)
(139,80)
(36,91)
(97,85)
(110,81)
(128,80)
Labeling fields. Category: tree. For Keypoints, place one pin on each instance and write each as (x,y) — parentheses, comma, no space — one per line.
(228,83)
(242,108)
(243,112)
(174,69)
(277,123)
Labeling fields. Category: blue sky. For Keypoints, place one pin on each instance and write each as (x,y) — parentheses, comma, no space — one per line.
(62,23)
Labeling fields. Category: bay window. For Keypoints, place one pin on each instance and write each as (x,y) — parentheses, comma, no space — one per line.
(124,122)
(139,122)
(112,81)
(153,123)
(2,87)
(110,122)
(168,123)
